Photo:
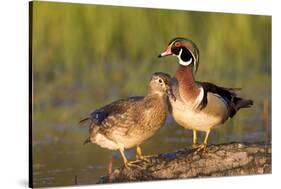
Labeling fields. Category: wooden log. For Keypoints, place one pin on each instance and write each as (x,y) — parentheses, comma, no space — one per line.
(265,118)
(217,160)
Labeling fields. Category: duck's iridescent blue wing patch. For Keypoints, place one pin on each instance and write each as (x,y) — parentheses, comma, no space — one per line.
(98,116)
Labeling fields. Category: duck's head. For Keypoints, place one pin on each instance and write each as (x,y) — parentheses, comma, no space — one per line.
(186,51)
(160,84)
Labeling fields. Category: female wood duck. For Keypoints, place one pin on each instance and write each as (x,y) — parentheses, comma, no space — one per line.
(127,123)
(199,106)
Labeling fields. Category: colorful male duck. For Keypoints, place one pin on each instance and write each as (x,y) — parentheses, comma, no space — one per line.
(127,123)
(199,106)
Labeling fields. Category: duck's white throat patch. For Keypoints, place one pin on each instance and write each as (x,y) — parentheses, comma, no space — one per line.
(183,62)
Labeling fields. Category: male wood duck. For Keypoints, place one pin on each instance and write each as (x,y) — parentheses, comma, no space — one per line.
(127,123)
(199,106)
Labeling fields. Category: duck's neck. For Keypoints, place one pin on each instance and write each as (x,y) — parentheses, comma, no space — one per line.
(152,93)
(156,101)
(187,84)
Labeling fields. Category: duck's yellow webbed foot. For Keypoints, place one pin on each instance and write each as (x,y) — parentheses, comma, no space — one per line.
(129,164)
(204,145)
(132,164)
(140,156)
(195,146)
(201,147)
(145,158)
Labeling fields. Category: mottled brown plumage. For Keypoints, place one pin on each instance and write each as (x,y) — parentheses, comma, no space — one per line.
(127,123)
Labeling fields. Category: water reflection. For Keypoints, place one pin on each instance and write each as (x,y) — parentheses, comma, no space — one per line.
(61,159)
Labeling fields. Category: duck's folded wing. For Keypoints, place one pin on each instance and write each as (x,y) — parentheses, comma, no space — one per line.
(226,93)
(113,109)
(234,103)
(214,88)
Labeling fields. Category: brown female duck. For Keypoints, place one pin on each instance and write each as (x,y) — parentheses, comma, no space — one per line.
(127,123)
(199,106)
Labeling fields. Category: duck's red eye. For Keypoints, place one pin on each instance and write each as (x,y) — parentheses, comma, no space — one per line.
(177,44)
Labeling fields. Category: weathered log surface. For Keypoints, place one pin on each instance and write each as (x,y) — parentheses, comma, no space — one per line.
(217,160)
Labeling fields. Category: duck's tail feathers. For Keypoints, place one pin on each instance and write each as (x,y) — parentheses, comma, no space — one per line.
(241,103)
(84,120)
(238,103)
(88,140)
(232,89)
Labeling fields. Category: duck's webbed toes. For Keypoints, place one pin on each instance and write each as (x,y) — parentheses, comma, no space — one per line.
(195,146)
(134,164)
(146,158)
(201,147)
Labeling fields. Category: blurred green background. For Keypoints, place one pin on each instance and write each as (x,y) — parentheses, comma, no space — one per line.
(85,56)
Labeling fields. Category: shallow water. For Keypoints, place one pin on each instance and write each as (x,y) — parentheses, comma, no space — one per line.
(61,159)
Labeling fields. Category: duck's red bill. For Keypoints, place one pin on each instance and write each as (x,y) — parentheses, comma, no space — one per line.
(167,52)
